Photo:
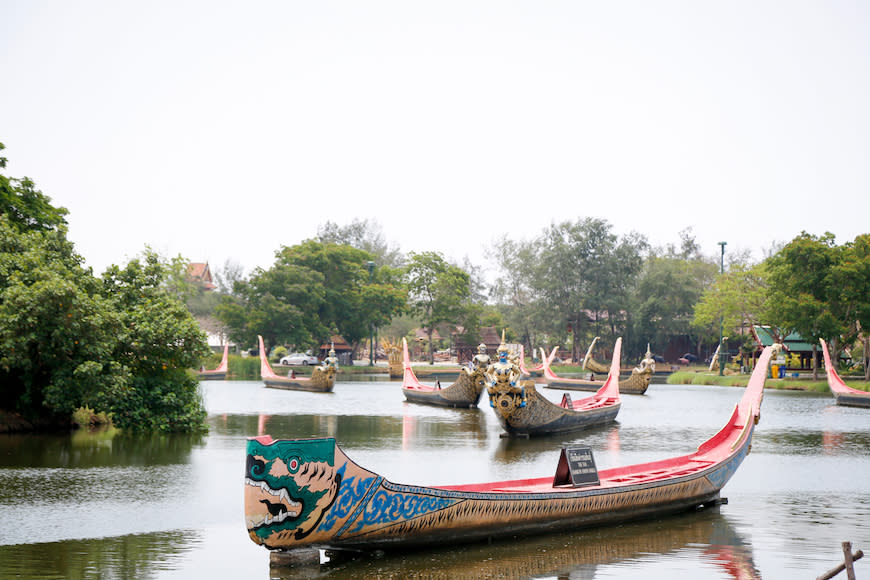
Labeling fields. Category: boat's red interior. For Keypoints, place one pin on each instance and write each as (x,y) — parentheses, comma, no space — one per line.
(266,371)
(409,379)
(834,381)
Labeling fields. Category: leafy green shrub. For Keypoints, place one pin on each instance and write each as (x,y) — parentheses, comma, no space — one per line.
(87,417)
(277,353)
(244,368)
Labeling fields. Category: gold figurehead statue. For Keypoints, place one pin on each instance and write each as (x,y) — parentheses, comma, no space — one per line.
(481,360)
(331,360)
(502,375)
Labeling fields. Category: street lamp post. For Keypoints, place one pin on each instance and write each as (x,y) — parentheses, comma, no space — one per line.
(723,354)
(371,266)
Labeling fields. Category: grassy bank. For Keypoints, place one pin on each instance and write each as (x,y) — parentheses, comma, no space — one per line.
(801,383)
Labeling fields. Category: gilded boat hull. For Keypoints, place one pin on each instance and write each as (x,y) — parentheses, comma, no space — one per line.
(464,392)
(539,416)
(635,384)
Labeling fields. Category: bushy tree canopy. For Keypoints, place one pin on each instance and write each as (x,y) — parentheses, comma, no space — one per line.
(123,344)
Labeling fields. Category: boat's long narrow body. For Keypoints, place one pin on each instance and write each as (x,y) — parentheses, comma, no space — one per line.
(522,410)
(636,384)
(464,392)
(843,393)
(307,492)
(322,379)
(220,373)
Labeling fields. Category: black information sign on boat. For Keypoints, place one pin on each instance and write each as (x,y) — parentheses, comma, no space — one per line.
(576,467)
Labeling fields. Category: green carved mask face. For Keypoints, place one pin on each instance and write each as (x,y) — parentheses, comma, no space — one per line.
(289,485)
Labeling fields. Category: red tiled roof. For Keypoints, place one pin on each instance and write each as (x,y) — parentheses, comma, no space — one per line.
(200,272)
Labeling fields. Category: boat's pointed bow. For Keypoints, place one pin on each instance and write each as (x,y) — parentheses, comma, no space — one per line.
(751,400)
(290,489)
(266,371)
(545,362)
(611,385)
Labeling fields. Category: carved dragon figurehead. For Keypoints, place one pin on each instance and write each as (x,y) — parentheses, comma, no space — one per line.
(289,485)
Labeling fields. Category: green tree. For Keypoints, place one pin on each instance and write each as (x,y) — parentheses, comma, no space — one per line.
(736,298)
(523,309)
(121,345)
(282,304)
(312,291)
(437,292)
(802,293)
(25,207)
(354,300)
(852,303)
(364,235)
(585,275)
(666,295)
(57,330)
(159,342)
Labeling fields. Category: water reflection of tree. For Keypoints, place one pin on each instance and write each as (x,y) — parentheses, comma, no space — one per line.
(101,448)
(359,430)
(139,556)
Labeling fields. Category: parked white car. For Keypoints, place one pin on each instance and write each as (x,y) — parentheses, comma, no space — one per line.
(299,359)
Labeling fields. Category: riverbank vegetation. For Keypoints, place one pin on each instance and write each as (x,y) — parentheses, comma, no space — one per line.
(123,343)
(120,344)
(799,383)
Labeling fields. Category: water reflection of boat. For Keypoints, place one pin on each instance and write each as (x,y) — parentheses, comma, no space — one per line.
(843,393)
(635,384)
(704,536)
(466,424)
(522,410)
(308,493)
(322,379)
(465,392)
(219,373)
(515,450)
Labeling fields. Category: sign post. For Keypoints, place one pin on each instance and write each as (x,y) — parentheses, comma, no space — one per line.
(576,468)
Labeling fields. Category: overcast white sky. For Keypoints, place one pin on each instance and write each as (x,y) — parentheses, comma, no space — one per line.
(224,130)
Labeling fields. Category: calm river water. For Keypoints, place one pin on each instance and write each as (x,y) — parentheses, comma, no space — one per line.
(96,506)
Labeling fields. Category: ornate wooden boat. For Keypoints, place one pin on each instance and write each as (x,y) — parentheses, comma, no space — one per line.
(218,374)
(538,370)
(465,392)
(843,393)
(635,384)
(308,493)
(322,379)
(522,410)
(592,365)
